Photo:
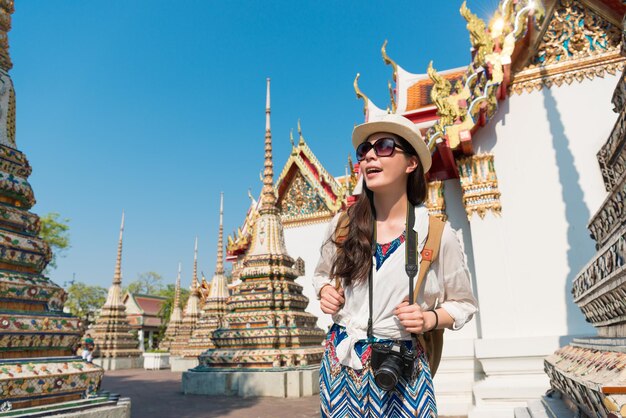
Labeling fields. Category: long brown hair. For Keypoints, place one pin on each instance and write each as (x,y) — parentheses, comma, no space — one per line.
(353,259)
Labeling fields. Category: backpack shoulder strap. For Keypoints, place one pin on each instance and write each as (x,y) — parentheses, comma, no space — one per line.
(430,250)
(343,227)
(340,234)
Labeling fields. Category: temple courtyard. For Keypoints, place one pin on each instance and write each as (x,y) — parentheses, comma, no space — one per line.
(156,394)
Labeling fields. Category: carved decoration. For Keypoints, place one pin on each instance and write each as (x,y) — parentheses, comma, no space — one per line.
(606,266)
(474,100)
(612,156)
(577,45)
(435,200)
(301,200)
(574,371)
(480,185)
(611,214)
(6,9)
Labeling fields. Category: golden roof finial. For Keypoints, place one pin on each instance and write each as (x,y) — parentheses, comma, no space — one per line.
(301,141)
(219,269)
(389,61)
(480,38)
(360,94)
(293,144)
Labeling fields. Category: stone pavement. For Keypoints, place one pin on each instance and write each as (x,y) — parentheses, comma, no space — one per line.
(157,394)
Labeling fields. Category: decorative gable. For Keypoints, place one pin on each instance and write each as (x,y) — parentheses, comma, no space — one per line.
(577,43)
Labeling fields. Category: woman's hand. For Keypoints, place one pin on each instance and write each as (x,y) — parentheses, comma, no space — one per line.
(331,299)
(412,317)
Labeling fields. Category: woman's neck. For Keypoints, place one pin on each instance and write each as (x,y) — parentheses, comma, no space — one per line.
(390,205)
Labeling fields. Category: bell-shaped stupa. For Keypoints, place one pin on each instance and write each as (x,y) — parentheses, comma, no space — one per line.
(214,307)
(39,373)
(191,314)
(266,325)
(176,318)
(115,346)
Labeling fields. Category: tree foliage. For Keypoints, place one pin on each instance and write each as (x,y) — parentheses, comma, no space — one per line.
(84,300)
(165,312)
(148,283)
(55,232)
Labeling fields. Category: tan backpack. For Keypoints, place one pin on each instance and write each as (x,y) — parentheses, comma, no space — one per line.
(432,341)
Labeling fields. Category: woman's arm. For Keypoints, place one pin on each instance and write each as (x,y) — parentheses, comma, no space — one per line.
(459,303)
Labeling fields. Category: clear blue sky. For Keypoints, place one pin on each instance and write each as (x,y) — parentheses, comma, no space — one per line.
(156,106)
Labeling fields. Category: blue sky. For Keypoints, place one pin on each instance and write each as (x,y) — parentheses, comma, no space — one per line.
(156,106)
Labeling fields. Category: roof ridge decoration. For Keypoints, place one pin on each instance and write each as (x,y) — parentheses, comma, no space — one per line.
(577,43)
(486,78)
(307,192)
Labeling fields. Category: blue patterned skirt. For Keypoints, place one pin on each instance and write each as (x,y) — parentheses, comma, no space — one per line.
(346,392)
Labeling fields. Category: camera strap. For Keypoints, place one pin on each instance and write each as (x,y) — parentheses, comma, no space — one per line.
(370,284)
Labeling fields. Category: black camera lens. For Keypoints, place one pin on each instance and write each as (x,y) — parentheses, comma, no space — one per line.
(386,376)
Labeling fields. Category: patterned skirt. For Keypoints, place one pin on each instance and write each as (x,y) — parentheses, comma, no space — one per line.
(346,392)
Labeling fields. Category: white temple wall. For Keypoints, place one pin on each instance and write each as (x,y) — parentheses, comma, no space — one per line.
(305,242)
(545,160)
(544,145)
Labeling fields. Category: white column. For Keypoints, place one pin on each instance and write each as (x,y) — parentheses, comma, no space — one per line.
(140,338)
(150,339)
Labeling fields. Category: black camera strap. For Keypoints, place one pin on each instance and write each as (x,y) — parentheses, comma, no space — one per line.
(370,284)
(410,264)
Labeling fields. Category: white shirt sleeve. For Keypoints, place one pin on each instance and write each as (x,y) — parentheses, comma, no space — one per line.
(458,300)
(321,276)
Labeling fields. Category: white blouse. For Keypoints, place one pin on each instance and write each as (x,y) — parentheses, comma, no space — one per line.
(447,285)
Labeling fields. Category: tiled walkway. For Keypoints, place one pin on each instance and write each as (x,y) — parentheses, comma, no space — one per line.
(157,394)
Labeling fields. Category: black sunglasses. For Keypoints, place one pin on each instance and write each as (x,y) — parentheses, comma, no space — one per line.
(383,147)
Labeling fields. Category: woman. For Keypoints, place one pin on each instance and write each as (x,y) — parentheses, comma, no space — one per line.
(393,161)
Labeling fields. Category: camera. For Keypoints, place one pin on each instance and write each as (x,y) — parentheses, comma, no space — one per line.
(390,361)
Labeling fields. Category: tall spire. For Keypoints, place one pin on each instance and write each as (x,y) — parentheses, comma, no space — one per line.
(117,276)
(194,279)
(219,268)
(177,291)
(268,198)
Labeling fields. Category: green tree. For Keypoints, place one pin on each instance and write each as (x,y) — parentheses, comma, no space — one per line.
(55,232)
(148,283)
(84,300)
(165,312)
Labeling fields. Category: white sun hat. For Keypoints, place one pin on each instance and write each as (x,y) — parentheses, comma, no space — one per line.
(398,125)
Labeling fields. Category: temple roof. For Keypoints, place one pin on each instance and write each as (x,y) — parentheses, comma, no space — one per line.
(307,193)
(526,45)
(143,304)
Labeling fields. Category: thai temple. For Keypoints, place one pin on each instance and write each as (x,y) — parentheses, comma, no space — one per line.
(515,136)
(115,346)
(175,320)
(39,375)
(587,375)
(142,312)
(266,344)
